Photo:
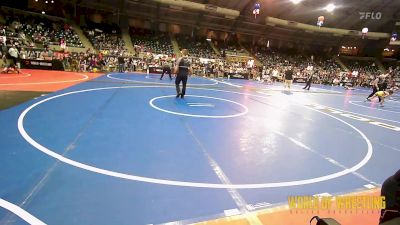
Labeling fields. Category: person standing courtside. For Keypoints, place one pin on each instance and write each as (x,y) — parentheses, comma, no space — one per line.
(288,77)
(182,70)
(121,63)
(308,81)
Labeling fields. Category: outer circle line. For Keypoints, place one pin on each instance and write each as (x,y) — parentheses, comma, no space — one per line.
(85,77)
(94,169)
(21,213)
(17,76)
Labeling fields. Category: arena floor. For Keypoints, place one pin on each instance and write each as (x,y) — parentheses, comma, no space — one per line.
(121,149)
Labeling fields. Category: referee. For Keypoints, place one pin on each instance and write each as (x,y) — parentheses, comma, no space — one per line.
(309,81)
(182,70)
(375,87)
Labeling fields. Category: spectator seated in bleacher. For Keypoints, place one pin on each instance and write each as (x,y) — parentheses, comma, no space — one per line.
(148,41)
(104,36)
(40,29)
(197,46)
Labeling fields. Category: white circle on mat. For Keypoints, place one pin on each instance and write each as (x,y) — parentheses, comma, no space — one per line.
(244,112)
(20,212)
(85,77)
(94,169)
(16,76)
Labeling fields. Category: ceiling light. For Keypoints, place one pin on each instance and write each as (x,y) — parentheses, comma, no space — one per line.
(330,7)
(296,1)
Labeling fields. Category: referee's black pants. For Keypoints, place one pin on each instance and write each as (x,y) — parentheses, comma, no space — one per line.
(308,85)
(178,80)
(374,90)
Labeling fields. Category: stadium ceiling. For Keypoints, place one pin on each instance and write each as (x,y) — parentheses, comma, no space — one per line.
(345,16)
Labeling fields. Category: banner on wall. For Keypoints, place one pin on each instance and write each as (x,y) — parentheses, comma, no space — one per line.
(155,69)
(237,76)
(42,64)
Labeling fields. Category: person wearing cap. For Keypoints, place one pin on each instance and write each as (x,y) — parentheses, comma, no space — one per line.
(182,71)
(309,80)
(121,63)
(375,87)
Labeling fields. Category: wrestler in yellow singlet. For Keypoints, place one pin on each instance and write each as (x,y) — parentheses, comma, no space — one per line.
(381,95)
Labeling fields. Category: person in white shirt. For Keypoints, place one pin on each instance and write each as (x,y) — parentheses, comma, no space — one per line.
(13,52)
(336,81)
(275,74)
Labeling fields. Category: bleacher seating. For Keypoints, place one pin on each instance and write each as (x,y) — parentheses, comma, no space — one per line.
(362,66)
(148,41)
(230,46)
(40,29)
(197,46)
(104,36)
